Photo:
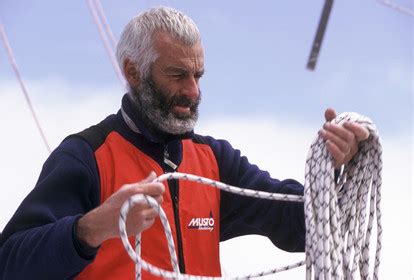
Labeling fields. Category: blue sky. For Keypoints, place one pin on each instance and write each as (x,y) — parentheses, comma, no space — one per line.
(257,93)
(255,54)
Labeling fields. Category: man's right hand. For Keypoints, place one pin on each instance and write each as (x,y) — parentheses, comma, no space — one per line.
(101,223)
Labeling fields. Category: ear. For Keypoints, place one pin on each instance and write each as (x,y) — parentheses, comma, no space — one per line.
(131,73)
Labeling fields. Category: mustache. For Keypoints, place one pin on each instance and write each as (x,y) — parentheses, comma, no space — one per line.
(184,101)
(173,99)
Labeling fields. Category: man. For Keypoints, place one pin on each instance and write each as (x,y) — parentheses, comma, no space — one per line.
(67,227)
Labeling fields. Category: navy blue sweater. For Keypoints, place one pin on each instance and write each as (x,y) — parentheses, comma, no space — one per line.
(39,241)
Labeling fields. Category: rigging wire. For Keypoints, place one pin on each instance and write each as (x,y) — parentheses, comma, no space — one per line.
(104,37)
(397,7)
(22,85)
(105,23)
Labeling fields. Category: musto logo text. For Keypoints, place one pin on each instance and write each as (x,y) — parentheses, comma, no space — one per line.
(201,224)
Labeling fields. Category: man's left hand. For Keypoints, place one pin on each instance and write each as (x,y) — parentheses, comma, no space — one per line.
(342,140)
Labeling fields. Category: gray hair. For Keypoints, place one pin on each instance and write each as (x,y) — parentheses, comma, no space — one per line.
(136,42)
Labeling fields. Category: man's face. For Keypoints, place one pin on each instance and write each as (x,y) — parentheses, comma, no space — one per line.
(169,98)
(157,106)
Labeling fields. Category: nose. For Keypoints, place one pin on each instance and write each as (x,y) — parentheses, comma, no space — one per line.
(191,88)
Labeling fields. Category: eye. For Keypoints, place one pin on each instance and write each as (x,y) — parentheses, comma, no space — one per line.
(198,75)
(178,76)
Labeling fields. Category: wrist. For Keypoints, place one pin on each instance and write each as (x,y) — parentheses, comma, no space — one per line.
(87,233)
(84,250)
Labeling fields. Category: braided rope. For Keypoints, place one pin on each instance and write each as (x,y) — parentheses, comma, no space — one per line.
(335,221)
(337,237)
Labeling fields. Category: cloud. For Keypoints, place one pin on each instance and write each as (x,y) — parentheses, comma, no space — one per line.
(62,109)
(279,146)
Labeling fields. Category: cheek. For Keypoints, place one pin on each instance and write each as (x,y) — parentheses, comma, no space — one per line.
(170,90)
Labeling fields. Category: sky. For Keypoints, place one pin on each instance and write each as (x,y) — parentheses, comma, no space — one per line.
(257,94)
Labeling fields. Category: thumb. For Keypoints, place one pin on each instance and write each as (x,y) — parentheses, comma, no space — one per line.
(149,178)
(330,114)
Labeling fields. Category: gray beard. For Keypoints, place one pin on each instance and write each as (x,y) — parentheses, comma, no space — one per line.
(155,108)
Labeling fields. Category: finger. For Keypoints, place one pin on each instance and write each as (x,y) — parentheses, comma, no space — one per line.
(135,226)
(148,223)
(146,219)
(153,189)
(128,190)
(151,176)
(361,132)
(149,213)
(343,145)
(159,199)
(140,206)
(128,187)
(141,211)
(340,131)
(330,114)
(338,157)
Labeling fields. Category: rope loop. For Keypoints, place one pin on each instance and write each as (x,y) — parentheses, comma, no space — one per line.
(337,236)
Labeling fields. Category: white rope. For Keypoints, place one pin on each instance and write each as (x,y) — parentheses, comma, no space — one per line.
(337,239)
(109,50)
(335,222)
(13,63)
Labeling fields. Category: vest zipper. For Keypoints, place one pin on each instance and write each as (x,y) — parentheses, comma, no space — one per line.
(174,192)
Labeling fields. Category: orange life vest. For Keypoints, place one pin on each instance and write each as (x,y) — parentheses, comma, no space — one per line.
(119,162)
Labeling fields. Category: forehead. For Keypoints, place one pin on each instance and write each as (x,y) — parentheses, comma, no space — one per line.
(174,53)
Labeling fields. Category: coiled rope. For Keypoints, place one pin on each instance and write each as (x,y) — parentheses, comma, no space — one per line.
(337,238)
(335,219)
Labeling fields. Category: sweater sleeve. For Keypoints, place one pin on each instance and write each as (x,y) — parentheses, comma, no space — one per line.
(39,241)
(282,222)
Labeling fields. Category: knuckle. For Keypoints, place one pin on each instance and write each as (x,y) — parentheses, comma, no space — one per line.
(351,136)
(340,159)
(141,215)
(152,215)
(159,186)
(149,223)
